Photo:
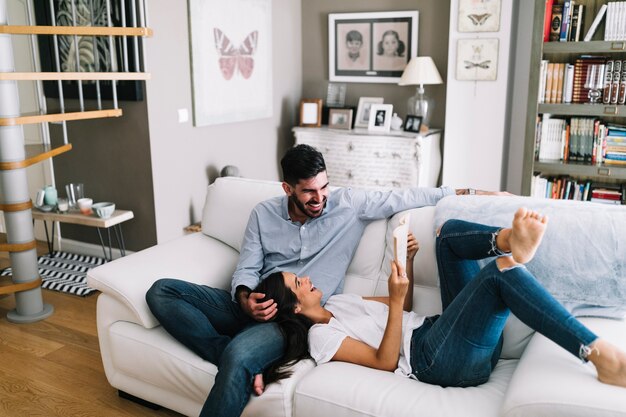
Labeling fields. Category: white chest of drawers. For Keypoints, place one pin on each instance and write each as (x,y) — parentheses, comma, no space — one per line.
(357,158)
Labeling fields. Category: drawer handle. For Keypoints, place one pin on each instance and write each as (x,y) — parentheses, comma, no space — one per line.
(618,46)
(610,110)
(604,172)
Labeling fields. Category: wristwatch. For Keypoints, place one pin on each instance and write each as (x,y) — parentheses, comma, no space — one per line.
(471,191)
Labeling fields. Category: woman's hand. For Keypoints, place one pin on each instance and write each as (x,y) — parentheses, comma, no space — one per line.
(412,246)
(398,284)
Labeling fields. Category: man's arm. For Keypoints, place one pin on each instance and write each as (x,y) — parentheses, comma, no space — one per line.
(247,274)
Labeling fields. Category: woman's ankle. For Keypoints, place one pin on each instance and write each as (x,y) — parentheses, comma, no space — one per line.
(502,240)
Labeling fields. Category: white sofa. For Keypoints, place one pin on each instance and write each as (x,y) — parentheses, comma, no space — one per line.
(534,378)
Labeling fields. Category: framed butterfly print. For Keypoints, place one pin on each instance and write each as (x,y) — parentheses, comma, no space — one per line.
(231,60)
(371,47)
(479,15)
(477,59)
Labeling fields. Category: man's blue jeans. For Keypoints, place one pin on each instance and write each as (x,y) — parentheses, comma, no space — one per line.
(461,347)
(208,322)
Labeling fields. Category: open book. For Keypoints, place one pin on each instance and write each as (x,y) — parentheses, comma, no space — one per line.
(400,235)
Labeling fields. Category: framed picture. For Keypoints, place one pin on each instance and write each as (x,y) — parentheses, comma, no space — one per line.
(479,15)
(231,60)
(340,118)
(477,59)
(363,111)
(371,47)
(311,112)
(380,117)
(94,51)
(412,124)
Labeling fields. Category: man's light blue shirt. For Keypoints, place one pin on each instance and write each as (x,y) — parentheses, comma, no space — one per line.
(322,247)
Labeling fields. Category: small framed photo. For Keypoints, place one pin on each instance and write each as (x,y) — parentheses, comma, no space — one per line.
(412,124)
(311,112)
(340,119)
(363,111)
(380,117)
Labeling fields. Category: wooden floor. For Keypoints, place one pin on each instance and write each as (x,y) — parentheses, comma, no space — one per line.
(53,367)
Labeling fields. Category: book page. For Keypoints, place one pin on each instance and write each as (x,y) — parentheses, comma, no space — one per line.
(400,235)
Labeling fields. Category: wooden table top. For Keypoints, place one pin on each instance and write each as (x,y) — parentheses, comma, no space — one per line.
(76,217)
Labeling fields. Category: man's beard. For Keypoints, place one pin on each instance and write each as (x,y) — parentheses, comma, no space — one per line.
(303,208)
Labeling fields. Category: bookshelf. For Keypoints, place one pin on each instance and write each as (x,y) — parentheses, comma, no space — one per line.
(600,174)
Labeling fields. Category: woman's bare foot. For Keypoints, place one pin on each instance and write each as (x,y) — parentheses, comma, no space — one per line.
(258,386)
(610,362)
(526,234)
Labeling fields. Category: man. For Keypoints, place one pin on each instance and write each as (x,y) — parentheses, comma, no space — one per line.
(294,232)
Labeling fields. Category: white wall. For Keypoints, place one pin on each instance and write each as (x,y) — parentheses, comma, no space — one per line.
(186,158)
(476,113)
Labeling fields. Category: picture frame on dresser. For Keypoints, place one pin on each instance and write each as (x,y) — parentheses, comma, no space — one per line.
(358,50)
(363,110)
(412,123)
(380,118)
(311,112)
(340,119)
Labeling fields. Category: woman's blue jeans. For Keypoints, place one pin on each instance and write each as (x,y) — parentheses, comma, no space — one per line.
(461,347)
(207,321)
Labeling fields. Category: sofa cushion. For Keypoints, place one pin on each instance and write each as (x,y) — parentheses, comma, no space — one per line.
(195,258)
(551,382)
(341,389)
(229,202)
(582,259)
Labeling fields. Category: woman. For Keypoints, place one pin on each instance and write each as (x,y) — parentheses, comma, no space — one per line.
(460,347)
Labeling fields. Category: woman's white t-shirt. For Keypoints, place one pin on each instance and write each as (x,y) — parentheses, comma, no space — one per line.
(363,320)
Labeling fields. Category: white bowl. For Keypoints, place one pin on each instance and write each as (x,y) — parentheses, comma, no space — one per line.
(104,210)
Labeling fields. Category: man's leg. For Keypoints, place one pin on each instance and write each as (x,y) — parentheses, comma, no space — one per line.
(202,318)
(248,354)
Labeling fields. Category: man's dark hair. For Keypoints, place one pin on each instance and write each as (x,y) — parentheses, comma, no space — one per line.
(300,163)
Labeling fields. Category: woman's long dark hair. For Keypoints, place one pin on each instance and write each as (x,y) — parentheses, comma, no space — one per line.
(294,327)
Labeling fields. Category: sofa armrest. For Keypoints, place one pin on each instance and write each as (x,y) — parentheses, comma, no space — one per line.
(196,258)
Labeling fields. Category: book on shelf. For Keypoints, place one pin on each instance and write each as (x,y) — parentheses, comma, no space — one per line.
(595,23)
(576,22)
(568,83)
(547,20)
(566,20)
(558,94)
(543,76)
(564,187)
(555,22)
(615,82)
(608,81)
(549,80)
(621,99)
(615,28)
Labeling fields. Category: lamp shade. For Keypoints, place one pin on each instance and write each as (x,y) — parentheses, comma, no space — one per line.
(421,70)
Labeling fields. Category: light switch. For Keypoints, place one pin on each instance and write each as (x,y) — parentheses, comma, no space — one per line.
(183,115)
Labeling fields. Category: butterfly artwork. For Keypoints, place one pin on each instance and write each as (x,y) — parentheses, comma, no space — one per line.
(483,64)
(235,58)
(479,19)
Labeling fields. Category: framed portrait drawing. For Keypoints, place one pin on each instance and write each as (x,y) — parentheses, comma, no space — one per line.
(479,15)
(363,111)
(371,47)
(477,59)
(380,117)
(340,119)
(413,123)
(95,52)
(231,60)
(311,112)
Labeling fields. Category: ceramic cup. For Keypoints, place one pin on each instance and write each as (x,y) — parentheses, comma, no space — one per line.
(84,204)
(50,195)
(63,204)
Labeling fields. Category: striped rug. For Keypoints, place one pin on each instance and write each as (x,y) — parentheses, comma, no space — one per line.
(65,272)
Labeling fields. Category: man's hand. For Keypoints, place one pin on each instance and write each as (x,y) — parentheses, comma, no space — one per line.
(471,191)
(262,312)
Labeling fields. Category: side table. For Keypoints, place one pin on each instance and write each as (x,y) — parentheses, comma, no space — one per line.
(75,217)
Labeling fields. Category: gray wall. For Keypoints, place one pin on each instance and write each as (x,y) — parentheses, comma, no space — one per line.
(434,16)
(112,158)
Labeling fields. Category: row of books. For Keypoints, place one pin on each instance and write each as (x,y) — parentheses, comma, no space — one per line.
(580,139)
(561,82)
(563,21)
(567,188)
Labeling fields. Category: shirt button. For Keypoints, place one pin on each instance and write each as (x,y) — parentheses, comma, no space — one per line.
(304,247)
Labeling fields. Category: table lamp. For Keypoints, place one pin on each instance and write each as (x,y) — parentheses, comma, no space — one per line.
(420,70)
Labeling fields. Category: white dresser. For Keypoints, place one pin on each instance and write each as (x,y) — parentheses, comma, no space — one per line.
(358,158)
